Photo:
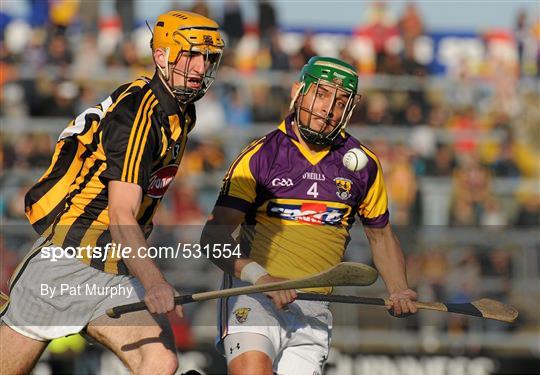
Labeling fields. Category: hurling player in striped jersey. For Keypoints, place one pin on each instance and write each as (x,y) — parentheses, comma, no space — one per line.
(109,172)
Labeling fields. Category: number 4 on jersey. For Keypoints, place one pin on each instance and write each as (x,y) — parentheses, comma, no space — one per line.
(313,190)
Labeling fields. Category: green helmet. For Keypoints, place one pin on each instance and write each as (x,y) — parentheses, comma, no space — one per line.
(336,78)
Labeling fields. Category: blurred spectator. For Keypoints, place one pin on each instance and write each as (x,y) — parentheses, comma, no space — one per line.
(463,125)
(504,164)
(529,211)
(410,64)
(464,276)
(401,184)
(391,64)
(233,22)
(126,11)
(185,208)
(492,213)
(15,203)
(89,16)
(442,164)
(13,103)
(237,112)
(307,51)
(203,156)
(380,29)
(211,119)
(88,63)
(410,24)
(377,110)
(423,143)
(280,60)
(521,35)
(7,155)
(470,192)
(58,51)
(61,103)
(267,21)
(40,156)
(262,108)
(62,13)
(435,269)
(35,56)
(17,36)
(536,36)
(201,7)
(345,55)
(414,115)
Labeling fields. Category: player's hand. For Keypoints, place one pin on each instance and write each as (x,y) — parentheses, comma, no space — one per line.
(281,298)
(402,303)
(159,299)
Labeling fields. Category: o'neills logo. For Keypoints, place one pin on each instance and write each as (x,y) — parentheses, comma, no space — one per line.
(160,181)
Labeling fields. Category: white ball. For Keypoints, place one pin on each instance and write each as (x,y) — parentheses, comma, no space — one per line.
(355,159)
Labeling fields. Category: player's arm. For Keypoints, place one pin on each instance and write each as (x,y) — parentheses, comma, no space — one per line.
(235,199)
(129,144)
(124,202)
(218,230)
(390,262)
(387,254)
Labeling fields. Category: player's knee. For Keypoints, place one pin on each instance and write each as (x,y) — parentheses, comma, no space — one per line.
(252,362)
(162,362)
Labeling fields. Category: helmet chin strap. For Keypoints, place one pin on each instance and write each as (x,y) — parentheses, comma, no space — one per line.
(165,71)
(293,101)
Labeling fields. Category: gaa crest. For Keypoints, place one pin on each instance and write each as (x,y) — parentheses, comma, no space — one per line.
(241,314)
(344,187)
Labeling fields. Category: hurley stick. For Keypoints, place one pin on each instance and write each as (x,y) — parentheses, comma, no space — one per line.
(343,274)
(484,308)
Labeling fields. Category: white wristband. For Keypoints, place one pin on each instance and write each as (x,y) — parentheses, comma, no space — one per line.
(252,272)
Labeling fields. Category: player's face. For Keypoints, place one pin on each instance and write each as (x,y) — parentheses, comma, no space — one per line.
(322,107)
(189,70)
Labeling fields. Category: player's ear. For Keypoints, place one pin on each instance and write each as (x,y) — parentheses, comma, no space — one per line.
(159,57)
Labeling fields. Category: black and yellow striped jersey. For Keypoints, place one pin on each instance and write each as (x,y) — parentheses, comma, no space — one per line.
(136,135)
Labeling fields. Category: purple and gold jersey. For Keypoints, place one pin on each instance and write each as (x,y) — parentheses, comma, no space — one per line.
(300,206)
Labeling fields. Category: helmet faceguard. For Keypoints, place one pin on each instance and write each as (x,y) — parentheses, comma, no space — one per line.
(186,35)
(333,80)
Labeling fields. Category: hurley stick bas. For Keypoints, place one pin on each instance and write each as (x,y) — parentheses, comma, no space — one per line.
(343,274)
(484,308)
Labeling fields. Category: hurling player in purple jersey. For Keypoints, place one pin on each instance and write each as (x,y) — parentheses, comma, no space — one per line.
(295,203)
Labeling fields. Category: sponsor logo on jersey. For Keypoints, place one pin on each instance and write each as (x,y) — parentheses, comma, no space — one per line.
(344,187)
(160,181)
(284,182)
(309,212)
(314,176)
(241,314)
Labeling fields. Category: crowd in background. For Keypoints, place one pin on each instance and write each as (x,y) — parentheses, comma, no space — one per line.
(480,137)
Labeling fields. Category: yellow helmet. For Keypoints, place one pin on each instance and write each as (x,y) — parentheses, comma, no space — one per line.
(177,32)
